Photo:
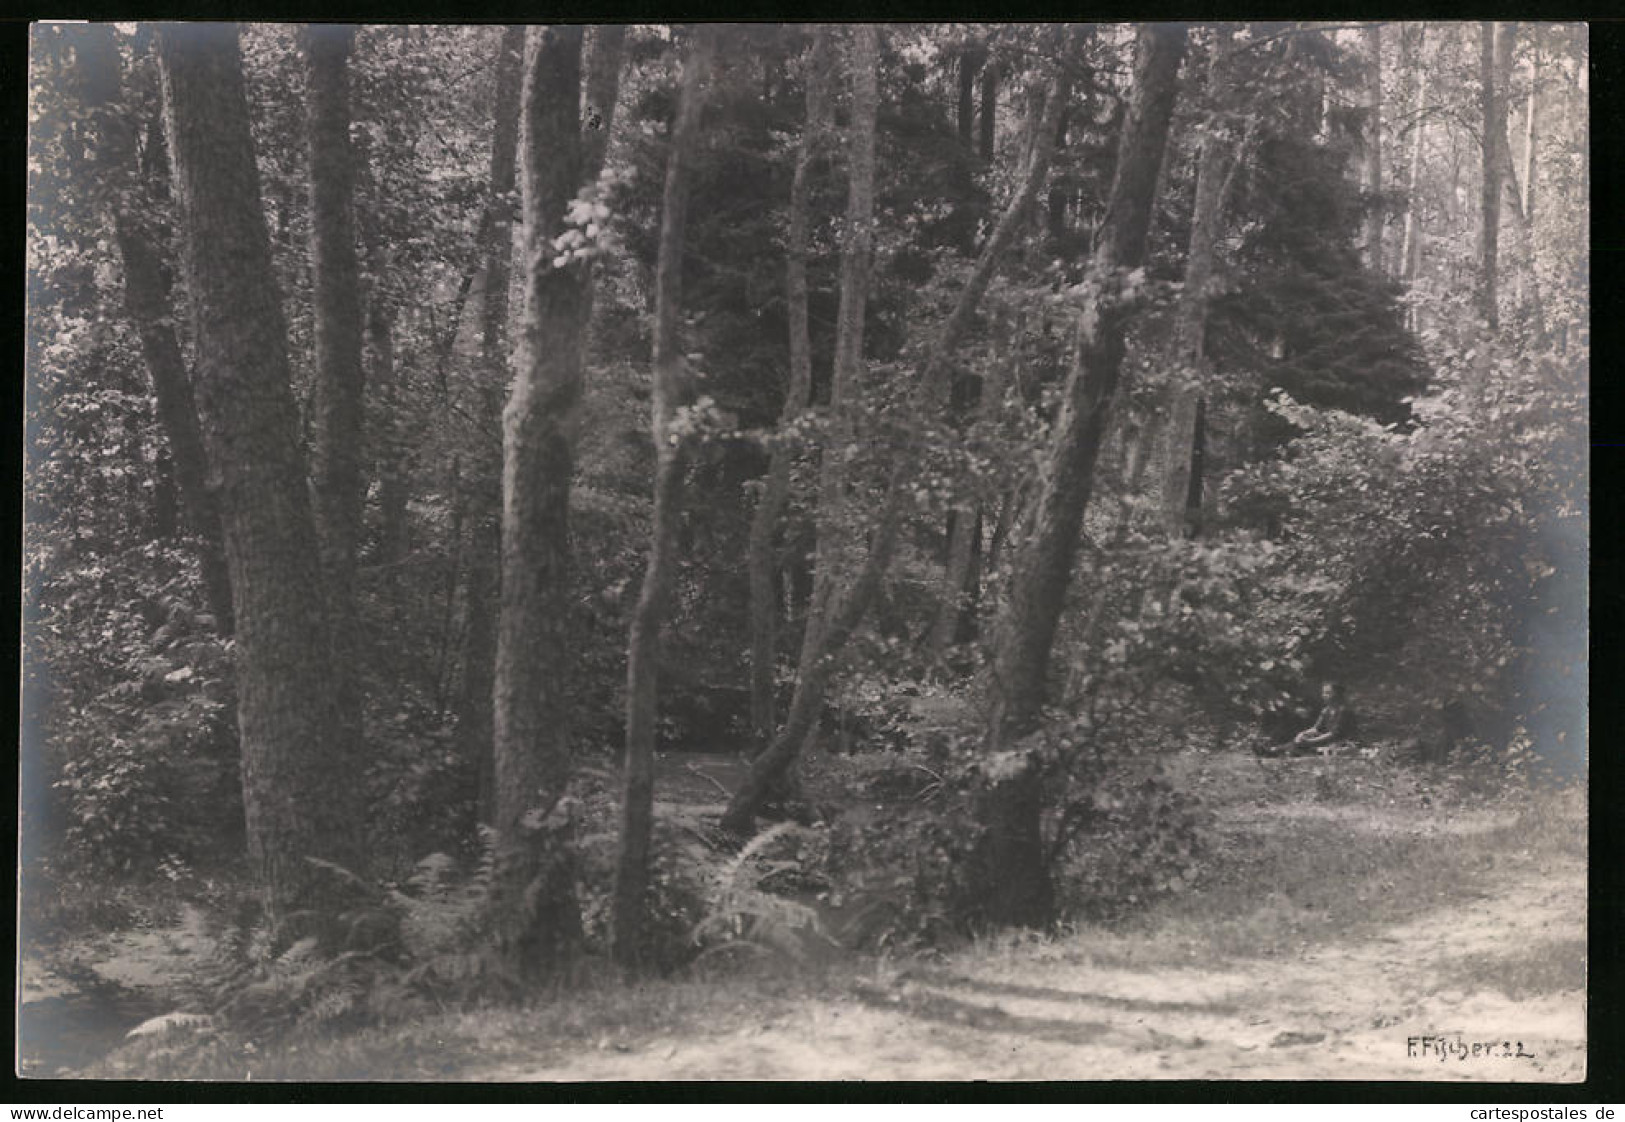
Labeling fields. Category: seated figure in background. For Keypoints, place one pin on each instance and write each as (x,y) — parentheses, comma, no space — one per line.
(1335,723)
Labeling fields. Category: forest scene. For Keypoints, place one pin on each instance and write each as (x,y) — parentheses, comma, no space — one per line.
(805,551)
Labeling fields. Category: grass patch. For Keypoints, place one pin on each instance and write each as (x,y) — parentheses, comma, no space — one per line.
(1297,854)
(597,1011)
(1555,966)
(1307,852)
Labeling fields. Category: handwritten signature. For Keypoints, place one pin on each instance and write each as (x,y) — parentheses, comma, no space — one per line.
(1458,1047)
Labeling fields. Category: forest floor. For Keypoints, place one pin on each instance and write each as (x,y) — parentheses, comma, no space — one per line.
(1361,922)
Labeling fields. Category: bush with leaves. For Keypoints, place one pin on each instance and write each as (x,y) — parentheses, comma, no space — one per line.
(138,728)
(1449,557)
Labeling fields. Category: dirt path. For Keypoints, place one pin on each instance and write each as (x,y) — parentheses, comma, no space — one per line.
(1500,969)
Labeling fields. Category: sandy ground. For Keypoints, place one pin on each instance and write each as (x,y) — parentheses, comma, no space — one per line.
(1393,1006)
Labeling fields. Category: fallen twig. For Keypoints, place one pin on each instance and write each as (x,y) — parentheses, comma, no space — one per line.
(711,778)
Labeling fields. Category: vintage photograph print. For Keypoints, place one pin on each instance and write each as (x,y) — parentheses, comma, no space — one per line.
(819,551)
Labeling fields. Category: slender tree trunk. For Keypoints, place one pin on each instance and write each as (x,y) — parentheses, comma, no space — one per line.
(603,66)
(1513,192)
(483,500)
(1523,244)
(1411,250)
(1530,135)
(857,251)
(988,117)
(970,61)
(1492,137)
(389,442)
(1013,882)
(1372,148)
(764,526)
(817,661)
(538,917)
(1219,154)
(1056,210)
(671,392)
(134,202)
(1137,444)
(300,786)
(961,581)
(336,303)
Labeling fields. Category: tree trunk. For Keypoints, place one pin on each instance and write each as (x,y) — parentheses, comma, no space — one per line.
(1492,136)
(1372,148)
(133,200)
(988,117)
(961,576)
(1515,190)
(483,499)
(389,443)
(336,304)
(817,661)
(1411,250)
(1219,155)
(671,392)
(1523,233)
(857,251)
(1013,880)
(300,786)
(538,917)
(603,66)
(970,61)
(764,526)
(1530,135)
(1056,211)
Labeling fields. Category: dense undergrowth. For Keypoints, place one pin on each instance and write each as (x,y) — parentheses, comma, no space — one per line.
(1281,854)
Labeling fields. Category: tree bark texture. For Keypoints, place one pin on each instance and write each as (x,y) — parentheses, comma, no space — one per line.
(1218,155)
(1528,300)
(300,786)
(817,661)
(339,402)
(603,66)
(987,117)
(483,499)
(1411,247)
(133,203)
(1014,883)
(764,526)
(390,449)
(857,259)
(1530,131)
(670,393)
(1514,190)
(1371,167)
(970,61)
(538,915)
(1492,136)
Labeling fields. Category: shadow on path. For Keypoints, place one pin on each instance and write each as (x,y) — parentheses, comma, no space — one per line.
(1045,993)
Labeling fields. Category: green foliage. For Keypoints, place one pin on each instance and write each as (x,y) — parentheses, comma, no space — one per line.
(749,899)
(138,718)
(1432,554)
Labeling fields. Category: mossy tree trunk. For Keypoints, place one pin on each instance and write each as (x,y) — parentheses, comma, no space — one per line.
(300,784)
(1014,885)
(538,916)
(339,404)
